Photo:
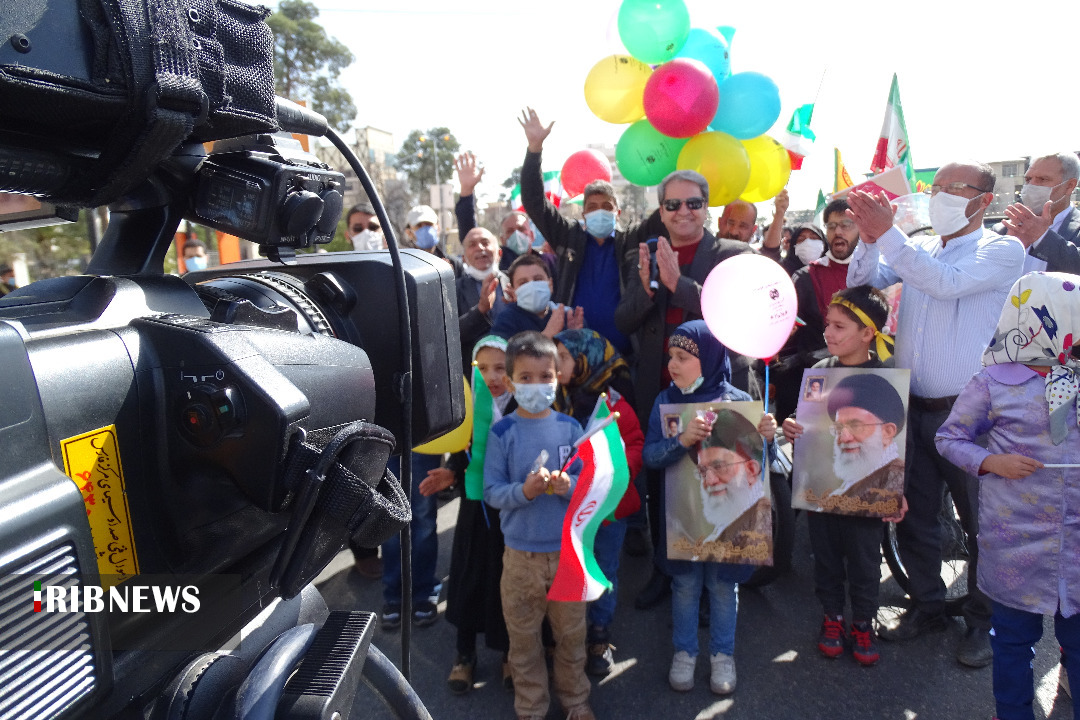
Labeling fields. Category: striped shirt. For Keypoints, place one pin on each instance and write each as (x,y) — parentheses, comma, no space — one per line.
(951,300)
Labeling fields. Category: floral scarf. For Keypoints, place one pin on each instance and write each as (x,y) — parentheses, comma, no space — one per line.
(1038,326)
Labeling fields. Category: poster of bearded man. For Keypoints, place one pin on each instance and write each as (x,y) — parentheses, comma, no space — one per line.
(718,504)
(850,457)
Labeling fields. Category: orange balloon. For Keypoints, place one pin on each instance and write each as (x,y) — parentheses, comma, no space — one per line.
(722,160)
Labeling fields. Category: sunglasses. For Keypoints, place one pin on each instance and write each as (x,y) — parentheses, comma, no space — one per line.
(674,204)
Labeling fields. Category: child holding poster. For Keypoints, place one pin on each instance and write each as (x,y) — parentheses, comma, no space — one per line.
(700,372)
(846,547)
(1025,402)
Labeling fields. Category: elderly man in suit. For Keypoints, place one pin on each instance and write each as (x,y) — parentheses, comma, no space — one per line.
(1045,220)
(650,311)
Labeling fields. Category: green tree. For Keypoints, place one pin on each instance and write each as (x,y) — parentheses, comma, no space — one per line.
(515,179)
(50,251)
(307,62)
(417,158)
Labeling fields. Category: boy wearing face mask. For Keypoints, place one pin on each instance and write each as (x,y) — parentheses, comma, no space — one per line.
(530,306)
(595,258)
(523,480)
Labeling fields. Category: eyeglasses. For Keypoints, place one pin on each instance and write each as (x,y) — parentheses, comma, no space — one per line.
(856,428)
(674,204)
(843,225)
(955,188)
(718,469)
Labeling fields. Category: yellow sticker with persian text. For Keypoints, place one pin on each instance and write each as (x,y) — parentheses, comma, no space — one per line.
(92,461)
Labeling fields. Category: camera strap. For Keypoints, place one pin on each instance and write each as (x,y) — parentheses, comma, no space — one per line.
(341,489)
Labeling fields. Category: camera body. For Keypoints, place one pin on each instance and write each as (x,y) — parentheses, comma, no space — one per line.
(221,435)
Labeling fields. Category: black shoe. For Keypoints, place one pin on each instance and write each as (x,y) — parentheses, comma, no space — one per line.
(636,543)
(913,623)
(391,616)
(658,588)
(425,613)
(600,660)
(974,649)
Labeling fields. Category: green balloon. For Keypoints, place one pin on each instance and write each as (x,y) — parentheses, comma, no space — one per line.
(653,31)
(645,156)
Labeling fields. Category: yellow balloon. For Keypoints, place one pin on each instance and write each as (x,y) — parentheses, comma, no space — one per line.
(770,168)
(614,89)
(457,439)
(722,160)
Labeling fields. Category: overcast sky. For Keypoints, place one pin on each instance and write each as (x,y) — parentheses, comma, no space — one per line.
(989,80)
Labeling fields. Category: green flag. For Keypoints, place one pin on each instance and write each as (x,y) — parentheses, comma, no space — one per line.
(485,414)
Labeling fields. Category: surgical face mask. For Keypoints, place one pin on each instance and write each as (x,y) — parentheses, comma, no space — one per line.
(475,274)
(1035,196)
(534,397)
(948,213)
(518,242)
(195,262)
(600,223)
(426,237)
(10,282)
(809,250)
(534,296)
(692,387)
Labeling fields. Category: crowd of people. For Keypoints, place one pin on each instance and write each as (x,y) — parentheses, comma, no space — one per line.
(560,315)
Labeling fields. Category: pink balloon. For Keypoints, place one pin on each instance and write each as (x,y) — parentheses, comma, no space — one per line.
(681,97)
(749,304)
(582,168)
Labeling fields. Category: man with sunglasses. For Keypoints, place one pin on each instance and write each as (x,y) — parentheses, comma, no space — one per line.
(651,308)
(1045,219)
(955,284)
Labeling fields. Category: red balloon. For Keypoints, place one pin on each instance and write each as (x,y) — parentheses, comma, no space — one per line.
(681,97)
(582,168)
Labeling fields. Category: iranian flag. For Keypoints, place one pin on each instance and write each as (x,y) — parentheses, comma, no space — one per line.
(799,137)
(892,148)
(601,485)
(552,191)
(485,414)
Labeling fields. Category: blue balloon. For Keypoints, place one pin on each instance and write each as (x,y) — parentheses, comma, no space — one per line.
(710,48)
(749,105)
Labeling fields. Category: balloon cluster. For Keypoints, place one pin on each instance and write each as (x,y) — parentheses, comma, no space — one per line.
(685,108)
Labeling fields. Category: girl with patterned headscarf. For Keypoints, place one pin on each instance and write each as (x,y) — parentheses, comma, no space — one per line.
(589,368)
(1025,401)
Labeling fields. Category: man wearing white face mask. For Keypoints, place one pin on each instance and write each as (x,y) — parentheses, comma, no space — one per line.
(596,259)
(955,284)
(1045,219)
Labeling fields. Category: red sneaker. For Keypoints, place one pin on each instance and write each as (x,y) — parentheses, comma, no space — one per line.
(864,650)
(831,640)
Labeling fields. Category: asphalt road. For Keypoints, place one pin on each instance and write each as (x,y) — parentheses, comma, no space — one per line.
(781,676)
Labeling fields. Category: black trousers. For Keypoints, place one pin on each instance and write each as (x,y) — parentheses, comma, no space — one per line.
(846,550)
(919,535)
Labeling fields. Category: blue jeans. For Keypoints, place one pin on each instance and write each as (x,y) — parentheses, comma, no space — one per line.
(607,547)
(1015,632)
(685,606)
(425,537)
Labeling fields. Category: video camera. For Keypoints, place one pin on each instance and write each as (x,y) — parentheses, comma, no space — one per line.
(184,456)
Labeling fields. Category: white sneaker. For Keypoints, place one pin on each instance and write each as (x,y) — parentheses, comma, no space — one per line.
(681,676)
(722,677)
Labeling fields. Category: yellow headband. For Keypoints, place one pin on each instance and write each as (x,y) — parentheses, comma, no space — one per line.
(884,342)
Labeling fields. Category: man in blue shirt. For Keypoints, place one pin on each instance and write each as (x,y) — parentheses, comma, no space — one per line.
(595,260)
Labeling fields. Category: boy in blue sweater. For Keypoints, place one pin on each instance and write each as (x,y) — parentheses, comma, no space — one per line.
(522,479)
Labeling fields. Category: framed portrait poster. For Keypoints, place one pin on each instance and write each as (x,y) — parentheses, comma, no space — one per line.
(718,499)
(850,457)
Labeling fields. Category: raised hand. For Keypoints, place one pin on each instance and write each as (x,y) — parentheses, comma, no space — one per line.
(1025,225)
(469,172)
(872,213)
(535,132)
